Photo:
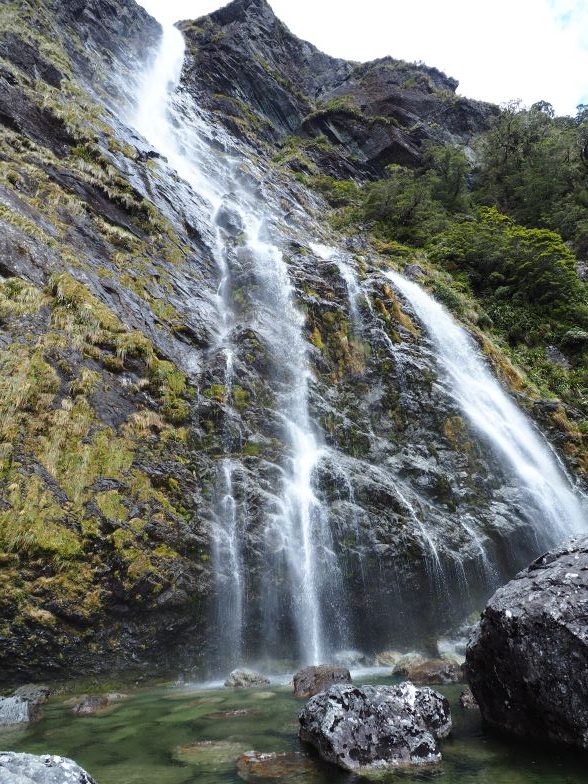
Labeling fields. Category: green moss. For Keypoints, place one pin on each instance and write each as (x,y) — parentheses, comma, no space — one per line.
(111,505)
(241,398)
(33,524)
(216,392)
(251,449)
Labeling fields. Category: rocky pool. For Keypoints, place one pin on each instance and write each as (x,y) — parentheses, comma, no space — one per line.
(171,735)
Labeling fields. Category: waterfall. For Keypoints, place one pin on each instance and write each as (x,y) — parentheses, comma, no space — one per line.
(555,511)
(154,120)
(286,569)
(302,577)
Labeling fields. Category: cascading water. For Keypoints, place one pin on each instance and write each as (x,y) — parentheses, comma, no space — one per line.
(554,509)
(154,122)
(298,544)
(287,569)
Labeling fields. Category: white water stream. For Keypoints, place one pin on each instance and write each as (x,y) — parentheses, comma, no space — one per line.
(297,532)
(555,509)
(304,585)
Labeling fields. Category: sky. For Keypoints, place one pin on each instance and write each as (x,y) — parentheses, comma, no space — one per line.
(501,50)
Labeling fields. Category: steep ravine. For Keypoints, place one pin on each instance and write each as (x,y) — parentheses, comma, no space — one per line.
(132,286)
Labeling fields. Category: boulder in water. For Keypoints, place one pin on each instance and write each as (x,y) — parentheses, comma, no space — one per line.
(376,727)
(34,693)
(388,658)
(527,661)
(16,710)
(313,680)
(433,672)
(90,704)
(44,769)
(246,679)
(405,662)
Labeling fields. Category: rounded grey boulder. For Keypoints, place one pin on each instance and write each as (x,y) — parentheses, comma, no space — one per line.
(376,727)
(527,660)
(246,679)
(45,769)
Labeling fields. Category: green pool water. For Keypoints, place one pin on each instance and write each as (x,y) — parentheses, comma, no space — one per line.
(180,736)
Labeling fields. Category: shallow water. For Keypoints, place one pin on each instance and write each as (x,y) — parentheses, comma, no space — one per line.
(159,736)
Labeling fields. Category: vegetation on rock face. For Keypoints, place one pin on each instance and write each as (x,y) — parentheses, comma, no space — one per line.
(510,230)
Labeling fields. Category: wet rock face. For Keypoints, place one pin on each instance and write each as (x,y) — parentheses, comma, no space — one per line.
(376,728)
(527,661)
(313,680)
(45,769)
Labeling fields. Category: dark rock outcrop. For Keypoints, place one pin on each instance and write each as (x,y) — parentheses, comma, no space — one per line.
(250,69)
(313,680)
(44,769)
(527,661)
(375,728)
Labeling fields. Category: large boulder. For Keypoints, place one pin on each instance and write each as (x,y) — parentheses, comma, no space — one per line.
(246,679)
(376,727)
(313,680)
(527,661)
(46,769)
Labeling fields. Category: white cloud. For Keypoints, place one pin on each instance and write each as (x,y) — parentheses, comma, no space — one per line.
(528,49)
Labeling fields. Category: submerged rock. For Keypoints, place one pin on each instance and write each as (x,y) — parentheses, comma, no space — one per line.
(313,680)
(292,765)
(527,661)
(91,704)
(376,727)
(246,679)
(44,769)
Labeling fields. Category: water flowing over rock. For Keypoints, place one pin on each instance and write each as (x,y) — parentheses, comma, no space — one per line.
(44,769)
(313,680)
(278,456)
(527,660)
(376,728)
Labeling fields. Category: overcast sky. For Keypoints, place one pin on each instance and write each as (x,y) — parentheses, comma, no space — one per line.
(499,50)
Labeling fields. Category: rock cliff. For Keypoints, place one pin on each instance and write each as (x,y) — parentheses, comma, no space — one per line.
(115,414)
